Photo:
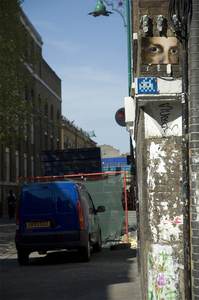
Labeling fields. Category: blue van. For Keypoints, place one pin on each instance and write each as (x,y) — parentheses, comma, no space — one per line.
(57,215)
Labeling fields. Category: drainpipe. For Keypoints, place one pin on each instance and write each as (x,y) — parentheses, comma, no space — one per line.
(180,12)
(185,166)
(194,147)
(129,23)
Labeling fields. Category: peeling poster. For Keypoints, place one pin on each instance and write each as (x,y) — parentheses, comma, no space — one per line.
(162,274)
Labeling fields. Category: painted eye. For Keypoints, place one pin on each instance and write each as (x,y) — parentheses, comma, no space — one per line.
(174,51)
(154,50)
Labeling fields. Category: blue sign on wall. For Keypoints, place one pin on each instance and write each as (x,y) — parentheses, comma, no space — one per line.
(147,85)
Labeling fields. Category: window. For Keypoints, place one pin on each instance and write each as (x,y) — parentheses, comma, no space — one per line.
(40,69)
(32,131)
(32,94)
(51,112)
(26,93)
(58,114)
(17,164)
(87,201)
(25,165)
(26,48)
(25,130)
(66,142)
(7,159)
(39,103)
(46,109)
(32,166)
(58,144)
(32,50)
(90,202)
(51,142)
(45,140)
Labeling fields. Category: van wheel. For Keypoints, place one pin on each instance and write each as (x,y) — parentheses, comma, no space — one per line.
(98,246)
(85,252)
(23,257)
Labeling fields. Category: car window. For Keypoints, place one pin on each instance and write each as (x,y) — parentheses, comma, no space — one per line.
(86,199)
(89,200)
(38,200)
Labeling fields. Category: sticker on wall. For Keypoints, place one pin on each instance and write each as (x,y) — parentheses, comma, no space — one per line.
(146,85)
(159,50)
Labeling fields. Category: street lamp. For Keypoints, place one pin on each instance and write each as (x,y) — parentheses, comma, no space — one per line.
(123,7)
(100,10)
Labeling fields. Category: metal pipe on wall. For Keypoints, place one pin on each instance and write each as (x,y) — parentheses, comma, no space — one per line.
(194,146)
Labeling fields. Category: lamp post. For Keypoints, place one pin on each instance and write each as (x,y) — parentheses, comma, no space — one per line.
(123,8)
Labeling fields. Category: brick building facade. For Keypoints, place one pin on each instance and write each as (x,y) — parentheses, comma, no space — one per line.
(46,129)
(74,137)
(43,90)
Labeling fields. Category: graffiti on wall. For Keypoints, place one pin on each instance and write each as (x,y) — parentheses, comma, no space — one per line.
(165,111)
(159,50)
(162,274)
(163,119)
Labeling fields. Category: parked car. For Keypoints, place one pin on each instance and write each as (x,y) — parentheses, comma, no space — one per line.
(57,215)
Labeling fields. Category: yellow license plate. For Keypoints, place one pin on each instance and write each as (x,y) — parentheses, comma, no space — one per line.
(38,224)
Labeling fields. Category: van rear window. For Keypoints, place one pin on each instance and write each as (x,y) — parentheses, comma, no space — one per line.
(38,201)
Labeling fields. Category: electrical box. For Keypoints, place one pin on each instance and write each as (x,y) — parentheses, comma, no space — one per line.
(130,108)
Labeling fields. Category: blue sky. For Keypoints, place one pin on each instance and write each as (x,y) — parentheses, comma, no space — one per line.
(90,56)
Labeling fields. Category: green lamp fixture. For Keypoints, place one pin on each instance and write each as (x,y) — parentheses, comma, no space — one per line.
(100,10)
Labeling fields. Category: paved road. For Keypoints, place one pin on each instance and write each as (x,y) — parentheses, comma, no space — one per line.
(7,230)
(111,274)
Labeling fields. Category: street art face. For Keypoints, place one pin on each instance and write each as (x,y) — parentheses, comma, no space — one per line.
(159,50)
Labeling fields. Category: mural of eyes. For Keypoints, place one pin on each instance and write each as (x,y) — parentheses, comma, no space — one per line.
(159,50)
(155,49)
(174,51)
